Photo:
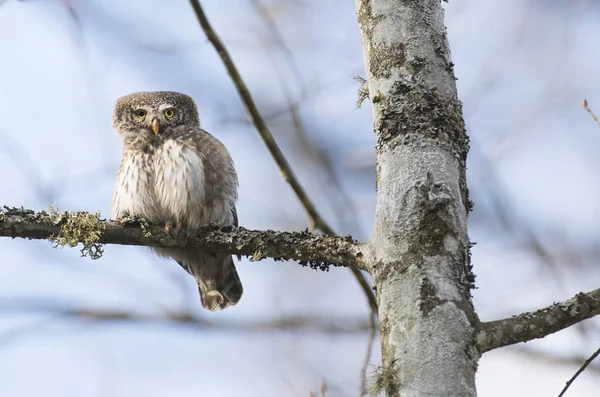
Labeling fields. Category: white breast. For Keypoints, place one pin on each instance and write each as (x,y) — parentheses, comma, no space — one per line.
(133,194)
(179,184)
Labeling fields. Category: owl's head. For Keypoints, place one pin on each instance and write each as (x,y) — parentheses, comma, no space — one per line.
(154,113)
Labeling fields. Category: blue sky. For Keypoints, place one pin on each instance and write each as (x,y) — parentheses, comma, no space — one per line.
(523,69)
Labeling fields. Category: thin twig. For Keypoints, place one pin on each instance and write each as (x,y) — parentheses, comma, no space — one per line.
(548,358)
(257,119)
(583,367)
(590,111)
(327,165)
(364,377)
(367,289)
(268,19)
(299,322)
(267,137)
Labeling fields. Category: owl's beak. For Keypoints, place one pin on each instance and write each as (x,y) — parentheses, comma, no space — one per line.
(155,126)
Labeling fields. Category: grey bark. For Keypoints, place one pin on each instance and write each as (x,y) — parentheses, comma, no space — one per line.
(538,324)
(419,247)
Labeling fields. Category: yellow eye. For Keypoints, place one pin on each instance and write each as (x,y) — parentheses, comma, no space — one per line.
(169,113)
(141,113)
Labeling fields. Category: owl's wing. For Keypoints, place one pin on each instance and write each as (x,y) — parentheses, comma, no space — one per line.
(206,137)
(222,157)
(235,217)
(220,180)
(236,224)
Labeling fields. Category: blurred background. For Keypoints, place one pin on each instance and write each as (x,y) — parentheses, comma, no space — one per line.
(523,68)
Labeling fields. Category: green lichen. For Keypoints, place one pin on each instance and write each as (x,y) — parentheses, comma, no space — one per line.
(363,91)
(137,221)
(367,19)
(380,378)
(385,58)
(78,227)
(259,253)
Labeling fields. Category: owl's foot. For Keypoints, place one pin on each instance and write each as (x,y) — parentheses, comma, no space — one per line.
(173,228)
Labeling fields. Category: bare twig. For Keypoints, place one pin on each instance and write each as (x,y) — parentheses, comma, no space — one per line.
(268,19)
(549,358)
(314,324)
(365,367)
(315,250)
(590,111)
(538,324)
(583,367)
(327,165)
(257,119)
(259,123)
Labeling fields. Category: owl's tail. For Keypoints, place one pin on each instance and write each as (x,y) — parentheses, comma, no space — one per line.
(218,280)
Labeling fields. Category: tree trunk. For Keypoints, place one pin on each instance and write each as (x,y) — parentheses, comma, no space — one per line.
(419,250)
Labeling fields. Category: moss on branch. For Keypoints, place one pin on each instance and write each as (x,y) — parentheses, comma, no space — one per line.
(71,228)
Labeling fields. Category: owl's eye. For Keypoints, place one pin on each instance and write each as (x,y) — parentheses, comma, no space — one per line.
(141,113)
(169,113)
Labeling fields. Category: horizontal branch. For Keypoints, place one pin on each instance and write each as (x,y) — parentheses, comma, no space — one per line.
(538,324)
(334,326)
(71,228)
(56,311)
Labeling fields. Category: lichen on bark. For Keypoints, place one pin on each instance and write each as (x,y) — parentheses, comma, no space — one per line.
(380,379)
(419,245)
(410,112)
(70,228)
(78,227)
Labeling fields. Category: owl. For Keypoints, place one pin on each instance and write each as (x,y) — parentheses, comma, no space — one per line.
(175,174)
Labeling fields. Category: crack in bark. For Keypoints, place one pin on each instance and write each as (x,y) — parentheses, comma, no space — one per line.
(429,298)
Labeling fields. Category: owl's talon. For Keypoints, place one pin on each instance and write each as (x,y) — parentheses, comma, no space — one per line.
(173,229)
(172,171)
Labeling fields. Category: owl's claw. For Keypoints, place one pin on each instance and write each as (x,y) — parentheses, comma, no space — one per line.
(173,228)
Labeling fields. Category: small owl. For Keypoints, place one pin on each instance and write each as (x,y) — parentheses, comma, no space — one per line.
(173,173)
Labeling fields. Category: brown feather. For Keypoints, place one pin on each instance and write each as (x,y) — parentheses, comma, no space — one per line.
(183,176)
